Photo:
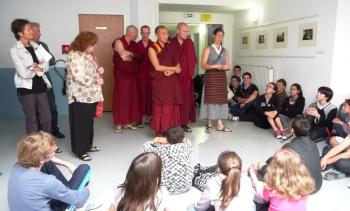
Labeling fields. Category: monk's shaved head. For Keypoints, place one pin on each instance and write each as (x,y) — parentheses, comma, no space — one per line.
(181,24)
(130,29)
(131,32)
(182,31)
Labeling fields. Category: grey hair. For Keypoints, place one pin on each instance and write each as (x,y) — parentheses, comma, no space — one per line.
(130,27)
(34,24)
(181,24)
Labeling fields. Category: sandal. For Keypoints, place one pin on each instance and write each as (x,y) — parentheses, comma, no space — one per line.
(94,149)
(208,129)
(58,150)
(84,157)
(131,127)
(140,126)
(118,130)
(224,129)
(186,128)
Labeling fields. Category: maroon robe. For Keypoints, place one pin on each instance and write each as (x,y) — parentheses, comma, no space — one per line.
(144,79)
(166,91)
(126,99)
(188,61)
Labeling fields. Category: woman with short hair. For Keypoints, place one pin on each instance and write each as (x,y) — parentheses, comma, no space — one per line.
(84,81)
(30,80)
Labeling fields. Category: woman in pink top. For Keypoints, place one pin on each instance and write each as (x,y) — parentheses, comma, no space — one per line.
(287,182)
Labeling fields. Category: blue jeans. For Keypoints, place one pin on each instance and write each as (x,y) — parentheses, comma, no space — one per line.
(77,178)
(236,109)
(342,165)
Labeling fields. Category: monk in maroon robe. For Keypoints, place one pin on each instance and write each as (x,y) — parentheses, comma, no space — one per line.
(144,75)
(126,110)
(188,61)
(166,88)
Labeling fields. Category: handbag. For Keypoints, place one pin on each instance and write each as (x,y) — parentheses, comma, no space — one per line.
(202,175)
(99,109)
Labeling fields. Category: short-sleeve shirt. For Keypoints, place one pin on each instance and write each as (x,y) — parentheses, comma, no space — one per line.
(278,203)
(245,93)
(161,199)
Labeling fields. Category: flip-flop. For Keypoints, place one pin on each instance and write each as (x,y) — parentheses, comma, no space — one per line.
(208,129)
(131,127)
(85,157)
(118,130)
(94,149)
(58,150)
(224,129)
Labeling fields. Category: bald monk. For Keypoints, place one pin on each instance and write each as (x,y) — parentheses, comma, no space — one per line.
(126,110)
(188,61)
(166,88)
(144,78)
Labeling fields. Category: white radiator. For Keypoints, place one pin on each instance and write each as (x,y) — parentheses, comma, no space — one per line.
(261,75)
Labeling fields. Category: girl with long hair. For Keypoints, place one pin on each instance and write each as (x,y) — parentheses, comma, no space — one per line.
(141,189)
(287,182)
(224,190)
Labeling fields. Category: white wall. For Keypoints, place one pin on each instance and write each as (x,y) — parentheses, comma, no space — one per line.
(217,18)
(341,57)
(309,66)
(58,19)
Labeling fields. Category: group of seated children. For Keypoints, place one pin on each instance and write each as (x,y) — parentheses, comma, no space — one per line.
(274,109)
(165,168)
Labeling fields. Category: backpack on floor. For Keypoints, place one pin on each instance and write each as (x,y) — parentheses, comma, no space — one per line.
(202,175)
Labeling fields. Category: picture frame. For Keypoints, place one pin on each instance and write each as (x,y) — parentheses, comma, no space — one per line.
(261,39)
(280,37)
(244,40)
(308,34)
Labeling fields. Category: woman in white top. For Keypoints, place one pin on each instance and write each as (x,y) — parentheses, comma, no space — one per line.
(224,190)
(30,79)
(141,189)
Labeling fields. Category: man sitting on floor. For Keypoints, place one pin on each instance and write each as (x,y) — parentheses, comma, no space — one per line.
(35,182)
(306,149)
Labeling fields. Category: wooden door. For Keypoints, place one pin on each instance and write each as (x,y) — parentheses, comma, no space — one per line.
(107,28)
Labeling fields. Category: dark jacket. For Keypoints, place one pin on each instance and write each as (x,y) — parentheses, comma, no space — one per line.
(309,154)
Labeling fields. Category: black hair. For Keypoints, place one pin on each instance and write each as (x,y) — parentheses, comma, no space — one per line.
(17,26)
(217,30)
(248,74)
(296,85)
(175,135)
(237,66)
(328,92)
(237,78)
(301,126)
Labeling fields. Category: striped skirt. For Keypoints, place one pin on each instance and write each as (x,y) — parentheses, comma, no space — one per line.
(215,84)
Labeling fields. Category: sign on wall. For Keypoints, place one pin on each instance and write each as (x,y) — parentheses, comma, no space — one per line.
(206,17)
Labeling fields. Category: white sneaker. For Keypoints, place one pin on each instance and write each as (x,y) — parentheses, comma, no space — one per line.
(235,118)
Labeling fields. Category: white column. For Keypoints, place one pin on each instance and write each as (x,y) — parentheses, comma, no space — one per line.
(340,78)
(145,12)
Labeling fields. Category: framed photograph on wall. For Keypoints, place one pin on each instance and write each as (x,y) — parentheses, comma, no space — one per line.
(280,37)
(244,40)
(308,34)
(261,39)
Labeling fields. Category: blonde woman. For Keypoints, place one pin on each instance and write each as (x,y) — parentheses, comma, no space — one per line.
(287,183)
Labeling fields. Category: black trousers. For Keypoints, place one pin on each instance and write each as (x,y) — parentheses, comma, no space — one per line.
(77,178)
(81,122)
(318,133)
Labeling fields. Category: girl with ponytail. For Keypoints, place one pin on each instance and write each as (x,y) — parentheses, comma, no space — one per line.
(229,189)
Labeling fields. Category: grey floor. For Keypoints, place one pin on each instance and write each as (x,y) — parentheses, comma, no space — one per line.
(110,165)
